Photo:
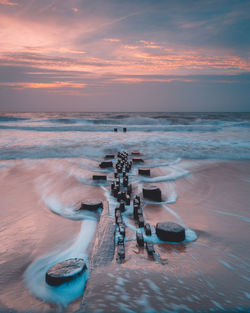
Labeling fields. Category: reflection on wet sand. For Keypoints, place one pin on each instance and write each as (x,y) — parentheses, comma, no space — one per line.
(193,275)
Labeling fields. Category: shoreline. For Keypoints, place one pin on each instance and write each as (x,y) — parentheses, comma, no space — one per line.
(186,262)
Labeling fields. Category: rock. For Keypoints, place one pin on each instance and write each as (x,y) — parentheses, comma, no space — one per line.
(65,271)
(91,205)
(140,239)
(147,229)
(137,160)
(109,156)
(150,248)
(99,177)
(152,193)
(169,231)
(106,164)
(144,171)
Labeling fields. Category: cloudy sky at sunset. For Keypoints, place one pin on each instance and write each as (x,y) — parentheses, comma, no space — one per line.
(124,55)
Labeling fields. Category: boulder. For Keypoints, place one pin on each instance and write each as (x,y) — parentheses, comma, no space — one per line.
(91,205)
(65,271)
(169,231)
(152,193)
(144,171)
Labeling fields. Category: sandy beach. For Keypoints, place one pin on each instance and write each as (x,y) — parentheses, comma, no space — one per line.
(207,272)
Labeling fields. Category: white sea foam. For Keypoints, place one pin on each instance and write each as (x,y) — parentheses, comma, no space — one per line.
(34,276)
(70,212)
(175,173)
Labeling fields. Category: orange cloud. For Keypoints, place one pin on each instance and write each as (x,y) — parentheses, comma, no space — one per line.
(112,39)
(7,2)
(51,85)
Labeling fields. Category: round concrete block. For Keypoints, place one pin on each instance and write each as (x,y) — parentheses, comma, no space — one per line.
(169,231)
(99,177)
(135,153)
(137,160)
(144,171)
(91,205)
(152,193)
(109,156)
(106,164)
(65,271)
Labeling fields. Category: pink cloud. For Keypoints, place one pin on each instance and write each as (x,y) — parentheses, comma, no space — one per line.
(7,2)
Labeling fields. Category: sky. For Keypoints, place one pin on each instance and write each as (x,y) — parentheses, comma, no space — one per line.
(124,55)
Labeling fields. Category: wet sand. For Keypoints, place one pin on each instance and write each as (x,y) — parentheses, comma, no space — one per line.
(29,229)
(209,273)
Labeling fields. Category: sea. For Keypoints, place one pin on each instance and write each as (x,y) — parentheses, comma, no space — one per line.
(46,165)
(158,135)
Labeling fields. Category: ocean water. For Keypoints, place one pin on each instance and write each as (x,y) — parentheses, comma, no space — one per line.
(46,165)
(90,135)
